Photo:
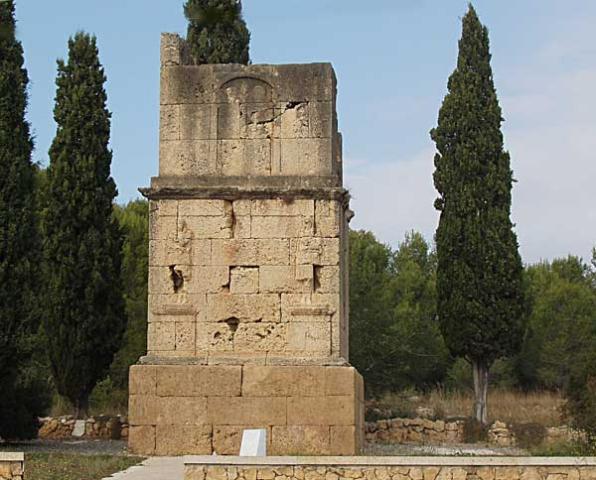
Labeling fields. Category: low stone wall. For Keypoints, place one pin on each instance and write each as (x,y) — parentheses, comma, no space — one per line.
(101,427)
(445,432)
(12,466)
(415,430)
(390,468)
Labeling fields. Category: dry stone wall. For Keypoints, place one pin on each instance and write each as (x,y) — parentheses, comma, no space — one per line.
(12,466)
(103,427)
(416,431)
(392,468)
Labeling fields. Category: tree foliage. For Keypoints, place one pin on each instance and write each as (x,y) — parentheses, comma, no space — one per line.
(19,239)
(134,222)
(479,279)
(561,324)
(394,338)
(84,319)
(217,32)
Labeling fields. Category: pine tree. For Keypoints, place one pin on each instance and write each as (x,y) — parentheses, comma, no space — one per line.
(217,32)
(19,240)
(479,279)
(84,318)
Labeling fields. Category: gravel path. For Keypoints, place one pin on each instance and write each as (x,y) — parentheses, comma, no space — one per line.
(80,447)
(432,450)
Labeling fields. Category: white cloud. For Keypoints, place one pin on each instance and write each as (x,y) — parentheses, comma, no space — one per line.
(550,107)
(391,199)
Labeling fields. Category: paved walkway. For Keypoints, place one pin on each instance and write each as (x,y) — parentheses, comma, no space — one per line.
(155,468)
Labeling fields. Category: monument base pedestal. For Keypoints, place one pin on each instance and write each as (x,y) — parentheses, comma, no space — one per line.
(202,409)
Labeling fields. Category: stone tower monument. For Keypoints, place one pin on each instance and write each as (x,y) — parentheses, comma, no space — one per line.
(248,285)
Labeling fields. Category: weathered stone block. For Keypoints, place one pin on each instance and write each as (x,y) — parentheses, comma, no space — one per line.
(282,208)
(260,121)
(230,158)
(143,409)
(295,120)
(208,227)
(252,252)
(183,85)
(343,381)
(169,122)
(142,380)
(344,440)
(198,380)
(196,122)
(322,117)
(328,218)
(316,251)
(282,227)
(339,410)
(182,411)
(309,156)
(246,308)
(311,338)
(327,279)
(163,227)
(187,158)
(247,411)
(141,440)
(246,338)
(300,440)
(199,207)
(183,440)
(209,279)
(282,279)
(186,336)
(244,280)
(283,381)
(161,336)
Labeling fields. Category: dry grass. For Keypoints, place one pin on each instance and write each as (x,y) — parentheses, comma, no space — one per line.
(509,406)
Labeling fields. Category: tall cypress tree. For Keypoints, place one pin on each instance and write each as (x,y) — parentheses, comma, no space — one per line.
(217,32)
(19,246)
(84,318)
(479,278)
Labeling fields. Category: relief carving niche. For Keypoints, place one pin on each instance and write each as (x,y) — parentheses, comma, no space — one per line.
(246,127)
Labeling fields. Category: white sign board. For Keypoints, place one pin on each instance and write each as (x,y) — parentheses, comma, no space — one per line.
(254,443)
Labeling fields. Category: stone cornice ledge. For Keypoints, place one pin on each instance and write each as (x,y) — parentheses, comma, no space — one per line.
(393,461)
(235,193)
(12,457)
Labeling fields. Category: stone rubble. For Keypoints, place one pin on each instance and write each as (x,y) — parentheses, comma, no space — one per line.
(98,427)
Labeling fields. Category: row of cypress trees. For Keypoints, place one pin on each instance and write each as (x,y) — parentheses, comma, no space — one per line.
(60,243)
(59,270)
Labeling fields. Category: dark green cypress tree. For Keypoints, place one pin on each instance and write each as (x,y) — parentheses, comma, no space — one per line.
(479,279)
(217,32)
(84,317)
(19,241)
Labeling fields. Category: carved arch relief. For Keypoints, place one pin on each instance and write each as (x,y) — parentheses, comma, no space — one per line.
(245,127)
(247,90)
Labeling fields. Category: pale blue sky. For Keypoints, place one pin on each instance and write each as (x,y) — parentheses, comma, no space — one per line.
(392,58)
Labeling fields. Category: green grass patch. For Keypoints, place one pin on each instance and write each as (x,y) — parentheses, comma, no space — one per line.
(60,466)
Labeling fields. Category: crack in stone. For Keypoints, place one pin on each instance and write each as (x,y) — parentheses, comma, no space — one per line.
(289,106)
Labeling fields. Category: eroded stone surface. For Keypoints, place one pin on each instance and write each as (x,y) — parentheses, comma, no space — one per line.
(247,265)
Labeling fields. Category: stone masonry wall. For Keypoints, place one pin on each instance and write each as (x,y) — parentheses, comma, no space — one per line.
(254,280)
(394,468)
(248,277)
(194,409)
(415,430)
